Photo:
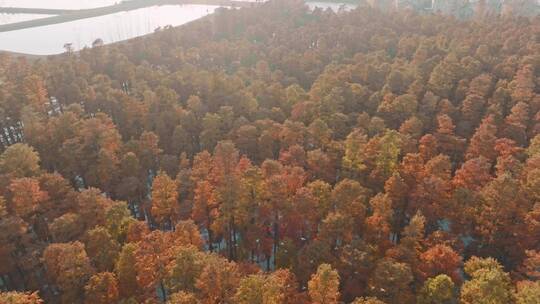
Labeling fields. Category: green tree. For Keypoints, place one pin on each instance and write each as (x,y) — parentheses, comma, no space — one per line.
(164,199)
(126,272)
(488,283)
(183,271)
(117,221)
(250,290)
(445,76)
(437,290)
(323,287)
(102,248)
(354,158)
(19,160)
(66,228)
(391,281)
(386,160)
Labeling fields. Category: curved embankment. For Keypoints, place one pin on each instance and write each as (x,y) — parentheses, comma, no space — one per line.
(72,15)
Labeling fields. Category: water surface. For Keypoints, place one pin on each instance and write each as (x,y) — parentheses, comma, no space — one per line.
(13,18)
(50,39)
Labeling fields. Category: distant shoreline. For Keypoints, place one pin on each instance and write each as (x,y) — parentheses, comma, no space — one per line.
(73,15)
(34,57)
(335,1)
(27,56)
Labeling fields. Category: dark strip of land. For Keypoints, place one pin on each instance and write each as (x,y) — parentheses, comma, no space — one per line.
(72,15)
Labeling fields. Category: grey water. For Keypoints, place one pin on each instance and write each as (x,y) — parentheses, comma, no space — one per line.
(13,18)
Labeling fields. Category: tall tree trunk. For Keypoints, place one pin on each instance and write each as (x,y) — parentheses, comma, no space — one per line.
(210,239)
(235,242)
(276,235)
(163,291)
(231,239)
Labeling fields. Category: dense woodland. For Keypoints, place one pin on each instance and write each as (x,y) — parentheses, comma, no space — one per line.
(276,155)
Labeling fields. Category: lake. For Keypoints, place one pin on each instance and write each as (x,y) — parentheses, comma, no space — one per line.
(59,4)
(50,39)
(12,18)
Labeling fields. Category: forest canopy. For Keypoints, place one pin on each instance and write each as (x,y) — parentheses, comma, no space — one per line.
(278,155)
